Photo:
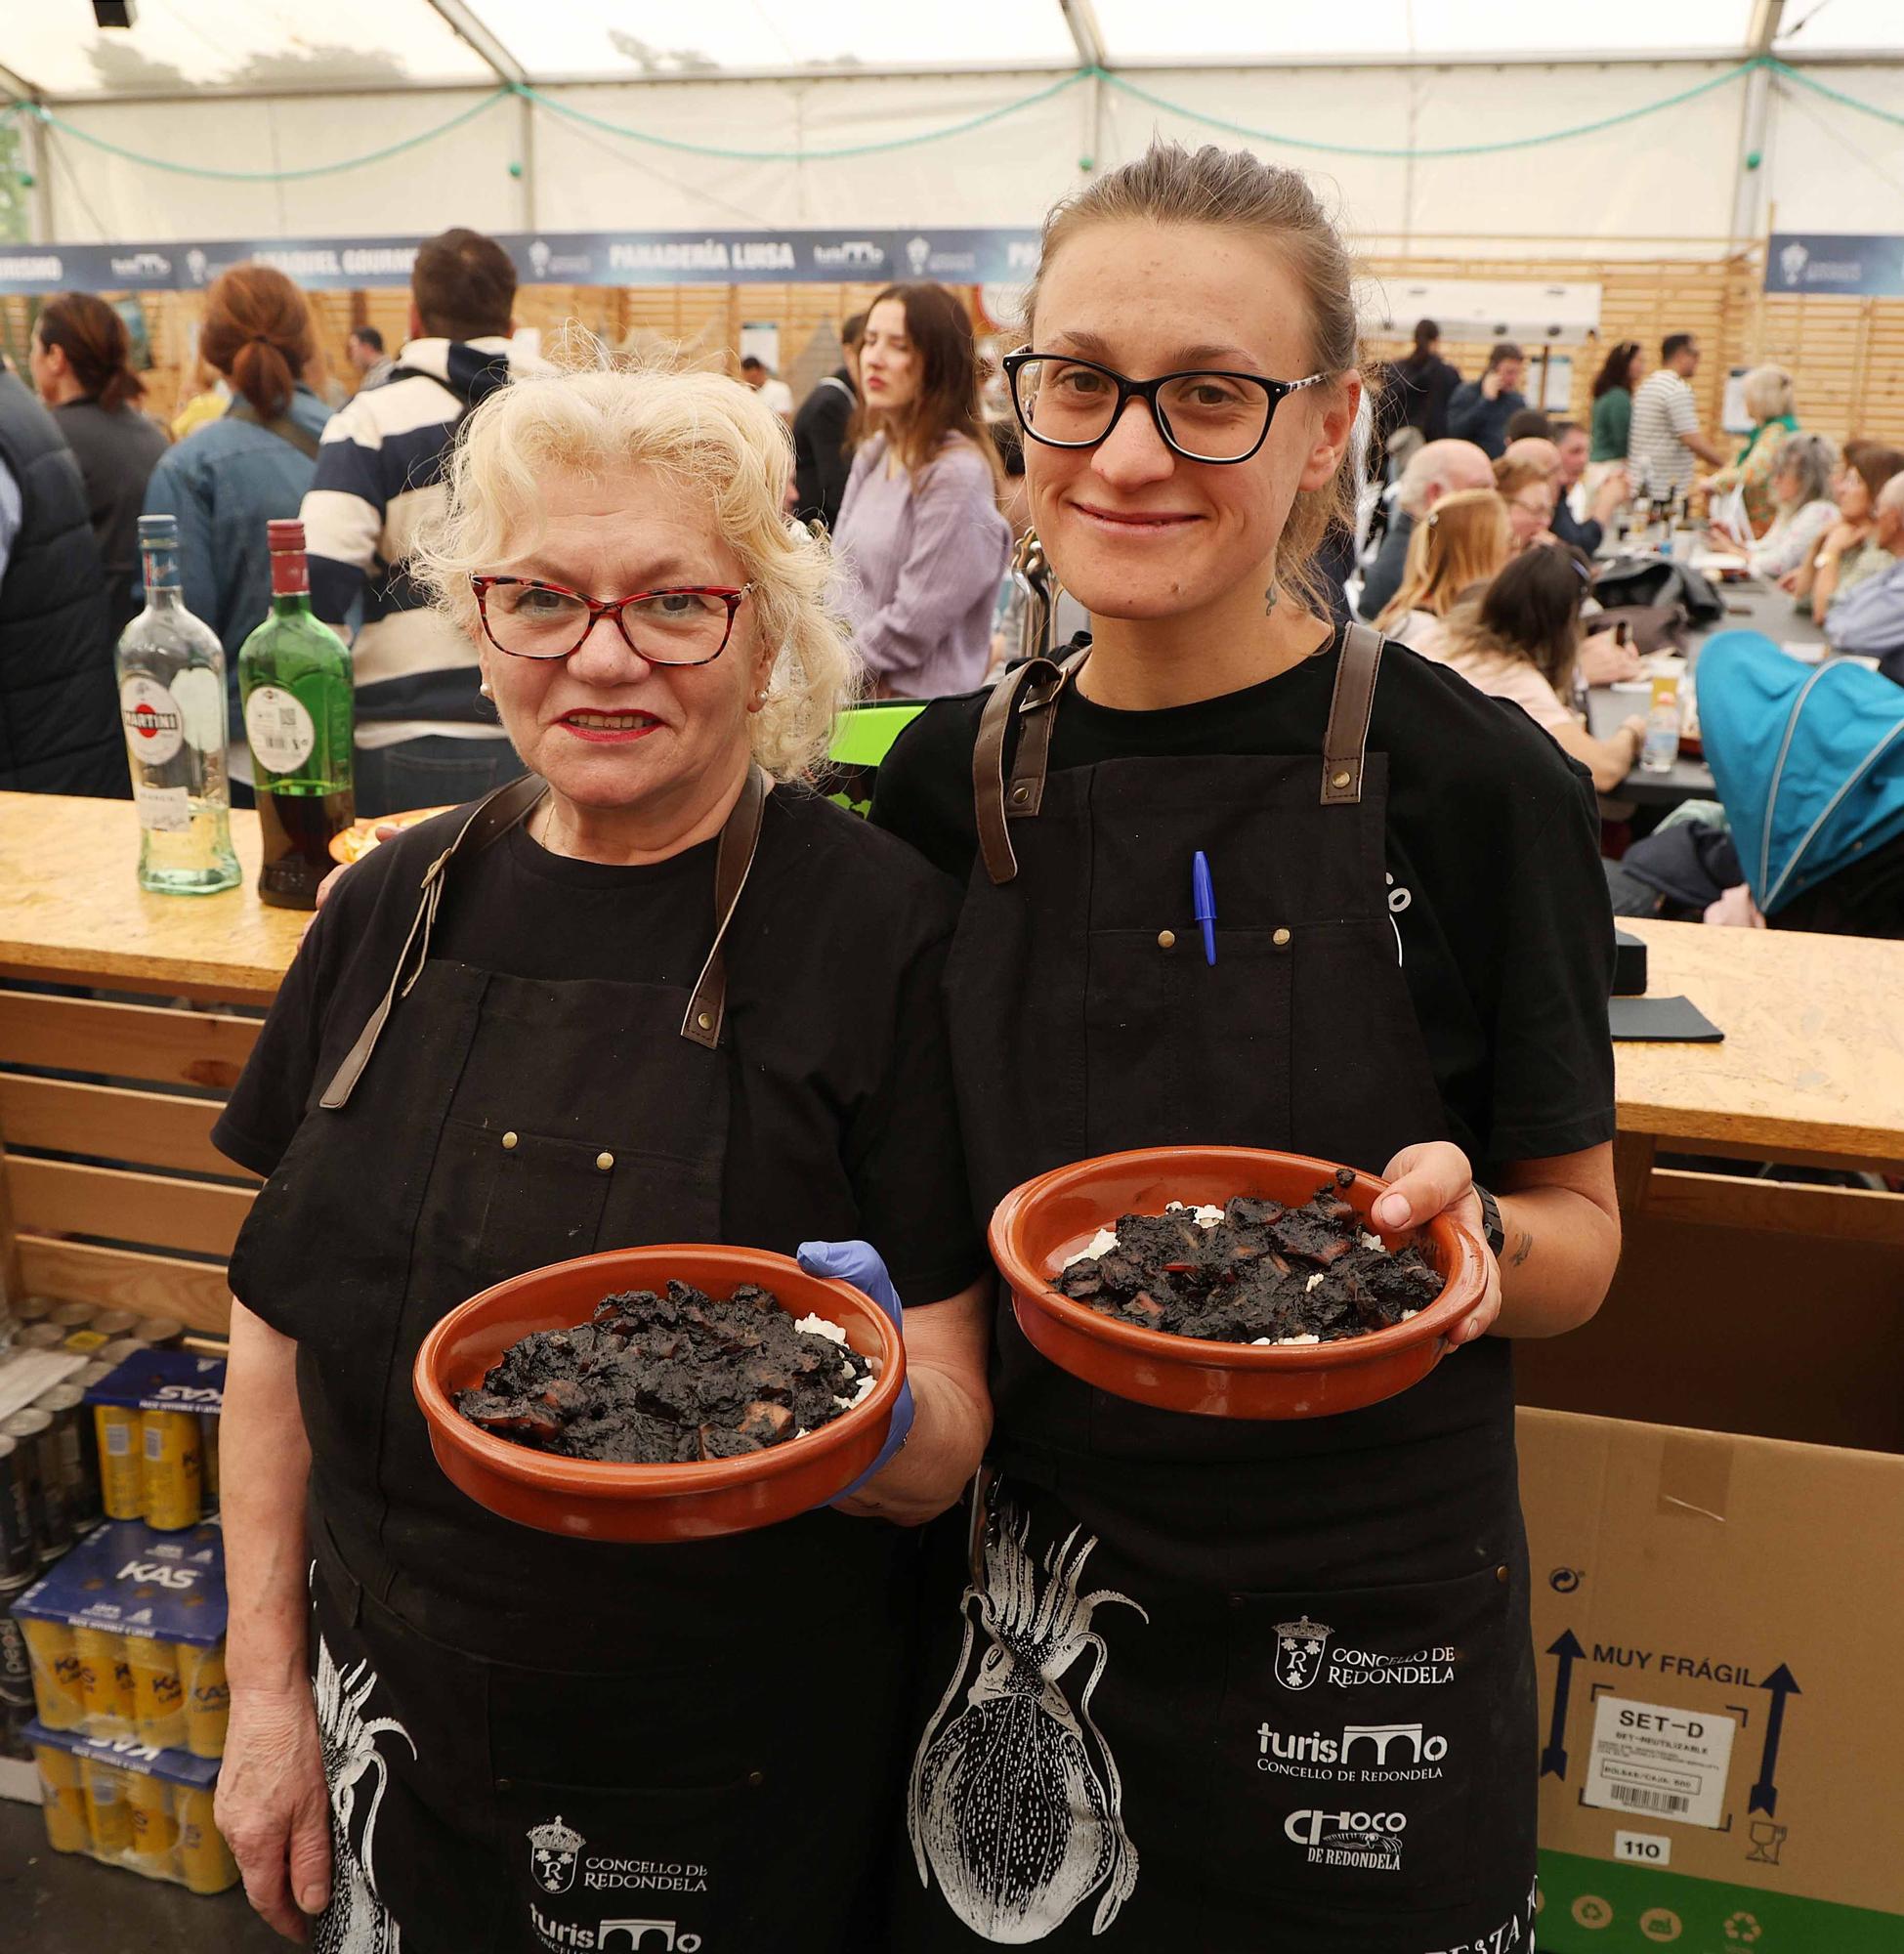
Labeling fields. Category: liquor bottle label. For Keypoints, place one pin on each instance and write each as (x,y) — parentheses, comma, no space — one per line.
(279,729)
(154,724)
(164,810)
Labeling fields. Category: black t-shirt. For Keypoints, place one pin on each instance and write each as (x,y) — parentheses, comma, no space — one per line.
(834,1024)
(1505,932)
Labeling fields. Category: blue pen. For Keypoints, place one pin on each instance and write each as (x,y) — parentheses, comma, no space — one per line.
(1203,903)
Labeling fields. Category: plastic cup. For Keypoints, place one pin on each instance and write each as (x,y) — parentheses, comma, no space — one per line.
(207,1698)
(63,1799)
(204,1855)
(158,1696)
(104,1681)
(55,1674)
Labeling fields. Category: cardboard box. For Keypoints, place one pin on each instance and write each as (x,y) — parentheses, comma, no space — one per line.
(1716,1620)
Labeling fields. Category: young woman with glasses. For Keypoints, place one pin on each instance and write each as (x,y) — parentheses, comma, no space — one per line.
(1202,1684)
(656,991)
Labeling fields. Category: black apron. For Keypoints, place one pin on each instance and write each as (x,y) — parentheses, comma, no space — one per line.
(535,1743)
(1199,1683)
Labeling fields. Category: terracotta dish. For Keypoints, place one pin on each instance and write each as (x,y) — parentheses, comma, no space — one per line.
(593,1501)
(1036,1228)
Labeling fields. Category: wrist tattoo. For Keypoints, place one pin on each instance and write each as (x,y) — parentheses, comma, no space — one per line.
(1522,1249)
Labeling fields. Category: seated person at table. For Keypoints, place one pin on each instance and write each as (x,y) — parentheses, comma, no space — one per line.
(1870,621)
(1603,498)
(1850,552)
(1530,424)
(1801,505)
(1436,469)
(1524,479)
(1520,638)
(1769,401)
(1456,548)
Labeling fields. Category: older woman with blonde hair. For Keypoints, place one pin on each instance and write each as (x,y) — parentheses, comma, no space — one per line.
(1460,543)
(657,989)
(1770,401)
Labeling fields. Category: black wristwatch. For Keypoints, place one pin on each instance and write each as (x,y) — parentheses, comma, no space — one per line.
(1491,1229)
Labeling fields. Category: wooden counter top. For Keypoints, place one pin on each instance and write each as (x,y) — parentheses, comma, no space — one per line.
(1813,1057)
(72,910)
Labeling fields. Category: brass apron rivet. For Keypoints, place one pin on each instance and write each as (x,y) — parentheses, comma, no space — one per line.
(1341,778)
(1281,938)
(705,1021)
(510,1139)
(1167,939)
(605,1162)
(1500,1574)
(1019,796)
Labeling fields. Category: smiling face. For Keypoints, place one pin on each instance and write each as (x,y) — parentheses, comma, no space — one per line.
(889,361)
(1135,531)
(608,732)
(1853,497)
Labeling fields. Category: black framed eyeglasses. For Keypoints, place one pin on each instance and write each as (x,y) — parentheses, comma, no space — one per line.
(532,620)
(1202,413)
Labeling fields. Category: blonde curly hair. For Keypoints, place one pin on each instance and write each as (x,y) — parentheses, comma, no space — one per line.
(712,435)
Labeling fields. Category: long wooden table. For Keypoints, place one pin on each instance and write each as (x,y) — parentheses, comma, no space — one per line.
(1812,1070)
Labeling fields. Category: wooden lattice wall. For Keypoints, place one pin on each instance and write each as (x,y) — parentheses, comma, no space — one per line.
(1846,355)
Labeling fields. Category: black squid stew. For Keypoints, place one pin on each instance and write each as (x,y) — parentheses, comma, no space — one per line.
(1261,1273)
(667,1380)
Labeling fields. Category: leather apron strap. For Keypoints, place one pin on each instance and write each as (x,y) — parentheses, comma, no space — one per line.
(493,818)
(1344,743)
(1029,691)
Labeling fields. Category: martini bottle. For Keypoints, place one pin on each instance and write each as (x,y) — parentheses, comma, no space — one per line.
(171,671)
(294,674)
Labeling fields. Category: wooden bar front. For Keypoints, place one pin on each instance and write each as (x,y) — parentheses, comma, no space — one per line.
(1764,1304)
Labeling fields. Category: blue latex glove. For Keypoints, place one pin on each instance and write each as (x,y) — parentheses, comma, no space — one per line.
(859,1263)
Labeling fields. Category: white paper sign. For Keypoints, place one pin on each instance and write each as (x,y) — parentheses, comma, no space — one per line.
(1658,1759)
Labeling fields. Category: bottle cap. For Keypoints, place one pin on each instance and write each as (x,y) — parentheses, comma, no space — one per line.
(284,534)
(155,529)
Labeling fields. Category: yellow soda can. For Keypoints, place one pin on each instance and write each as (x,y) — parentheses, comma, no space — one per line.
(56,1674)
(157,1695)
(104,1681)
(207,1699)
(122,1484)
(108,1814)
(154,1825)
(204,1855)
(170,1470)
(63,1799)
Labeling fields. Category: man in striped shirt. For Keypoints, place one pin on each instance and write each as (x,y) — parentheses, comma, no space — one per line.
(1664,444)
(424,736)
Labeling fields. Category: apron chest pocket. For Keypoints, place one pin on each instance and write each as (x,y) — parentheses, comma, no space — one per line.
(1373,1745)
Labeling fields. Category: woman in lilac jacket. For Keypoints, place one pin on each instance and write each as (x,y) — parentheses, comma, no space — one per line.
(922,543)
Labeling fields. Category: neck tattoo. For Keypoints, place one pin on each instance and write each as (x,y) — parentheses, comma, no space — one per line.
(1271,598)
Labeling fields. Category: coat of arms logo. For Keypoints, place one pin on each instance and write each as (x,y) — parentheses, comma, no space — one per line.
(1300,1651)
(553,1849)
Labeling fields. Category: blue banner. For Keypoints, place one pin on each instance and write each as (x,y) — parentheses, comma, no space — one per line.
(549,257)
(1816,262)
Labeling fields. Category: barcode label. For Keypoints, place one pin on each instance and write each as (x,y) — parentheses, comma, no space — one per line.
(1641,1799)
(1660,1758)
(155,1443)
(118,1440)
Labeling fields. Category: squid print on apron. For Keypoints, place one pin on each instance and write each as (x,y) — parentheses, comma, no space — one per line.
(1015,1805)
(355,1922)
(1212,1684)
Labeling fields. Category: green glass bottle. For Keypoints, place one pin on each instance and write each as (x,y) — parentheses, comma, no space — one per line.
(171,671)
(294,674)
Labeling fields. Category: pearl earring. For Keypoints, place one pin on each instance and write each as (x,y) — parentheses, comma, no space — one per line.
(487,688)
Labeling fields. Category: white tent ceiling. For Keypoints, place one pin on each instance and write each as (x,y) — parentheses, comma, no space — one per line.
(54,50)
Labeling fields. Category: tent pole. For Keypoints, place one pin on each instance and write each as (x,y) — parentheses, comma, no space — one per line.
(1755,119)
(526,111)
